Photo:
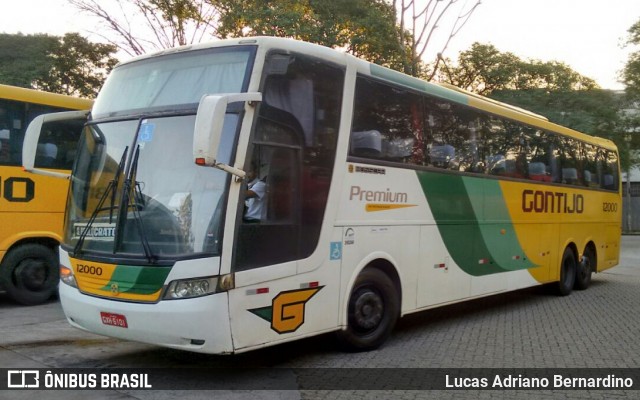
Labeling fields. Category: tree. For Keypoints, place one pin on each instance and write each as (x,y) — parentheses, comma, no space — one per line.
(79,67)
(549,88)
(68,65)
(138,26)
(483,69)
(418,25)
(631,71)
(594,111)
(365,28)
(25,58)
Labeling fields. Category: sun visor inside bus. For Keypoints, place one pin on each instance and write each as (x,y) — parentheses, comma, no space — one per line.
(278,64)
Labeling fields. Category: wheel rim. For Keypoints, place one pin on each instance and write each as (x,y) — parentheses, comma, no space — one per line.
(584,268)
(31,274)
(368,310)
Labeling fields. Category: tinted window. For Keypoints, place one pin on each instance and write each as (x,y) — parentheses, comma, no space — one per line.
(57,144)
(390,125)
(291,156)
(14,119)
(387,123)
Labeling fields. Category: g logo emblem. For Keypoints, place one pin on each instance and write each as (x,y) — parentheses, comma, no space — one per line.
(287,309)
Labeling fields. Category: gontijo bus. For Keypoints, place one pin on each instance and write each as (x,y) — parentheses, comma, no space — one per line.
(381,195)
(32,206)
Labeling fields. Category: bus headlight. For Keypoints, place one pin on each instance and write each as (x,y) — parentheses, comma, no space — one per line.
(66,276)
(186,288)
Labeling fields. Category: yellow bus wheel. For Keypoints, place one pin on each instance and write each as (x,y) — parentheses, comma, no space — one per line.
(586,266)
(29,273)
(568,268)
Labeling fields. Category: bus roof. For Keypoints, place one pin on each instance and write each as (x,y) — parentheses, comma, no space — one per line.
(461,96)
(441,90)
(44,98)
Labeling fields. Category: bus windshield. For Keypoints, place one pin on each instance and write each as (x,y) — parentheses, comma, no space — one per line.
(135,188)
(160,204)
(173,81)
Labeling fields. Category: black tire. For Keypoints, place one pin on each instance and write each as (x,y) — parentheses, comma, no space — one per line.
(584,269)
(373,310)
(30,273)
(568,268)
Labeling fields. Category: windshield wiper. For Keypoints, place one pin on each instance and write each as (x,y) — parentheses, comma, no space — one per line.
(136,202)
(114,182)
(112,188)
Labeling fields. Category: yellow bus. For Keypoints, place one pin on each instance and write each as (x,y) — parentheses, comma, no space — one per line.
(236,195)
(32,207)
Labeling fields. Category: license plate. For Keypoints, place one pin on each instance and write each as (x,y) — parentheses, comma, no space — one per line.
(112,319)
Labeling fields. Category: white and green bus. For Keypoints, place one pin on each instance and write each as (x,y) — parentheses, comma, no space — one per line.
(372,195)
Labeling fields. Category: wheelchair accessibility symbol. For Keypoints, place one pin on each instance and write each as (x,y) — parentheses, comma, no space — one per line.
(335,252)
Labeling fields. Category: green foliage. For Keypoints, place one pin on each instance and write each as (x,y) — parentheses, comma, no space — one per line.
(483,69)
(594,112)
(631,79)
(590,111)
(23,59)
(631,71)
(79,66)
(68,65)
(365,28)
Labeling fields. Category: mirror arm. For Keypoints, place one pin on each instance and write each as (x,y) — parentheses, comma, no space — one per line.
(232,170)
(38,171)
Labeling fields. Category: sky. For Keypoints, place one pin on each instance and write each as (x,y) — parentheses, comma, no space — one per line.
(587,35)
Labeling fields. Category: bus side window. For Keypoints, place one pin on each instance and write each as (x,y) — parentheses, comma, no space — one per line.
(57,143)
(610,170)
(387,123)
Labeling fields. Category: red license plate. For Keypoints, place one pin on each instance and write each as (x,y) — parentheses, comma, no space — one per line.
(114,319)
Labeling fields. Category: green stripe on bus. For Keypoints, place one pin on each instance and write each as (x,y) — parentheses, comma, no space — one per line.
(138,280)
(478,234)
(498,232)
(418,84)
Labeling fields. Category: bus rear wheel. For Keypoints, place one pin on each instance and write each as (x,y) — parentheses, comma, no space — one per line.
(373,310)
(29,273)
(568,268)
(585,268)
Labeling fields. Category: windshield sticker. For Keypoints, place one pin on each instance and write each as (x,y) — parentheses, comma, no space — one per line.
(146,132)
(97,231)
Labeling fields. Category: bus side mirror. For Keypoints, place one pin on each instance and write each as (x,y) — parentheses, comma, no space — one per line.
(208,128)
(32,139)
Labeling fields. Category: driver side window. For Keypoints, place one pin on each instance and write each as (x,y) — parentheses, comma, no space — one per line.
(292,152)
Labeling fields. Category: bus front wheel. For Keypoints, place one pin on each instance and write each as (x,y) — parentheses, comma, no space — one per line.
(29,273)
(373,310)
(568,268)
